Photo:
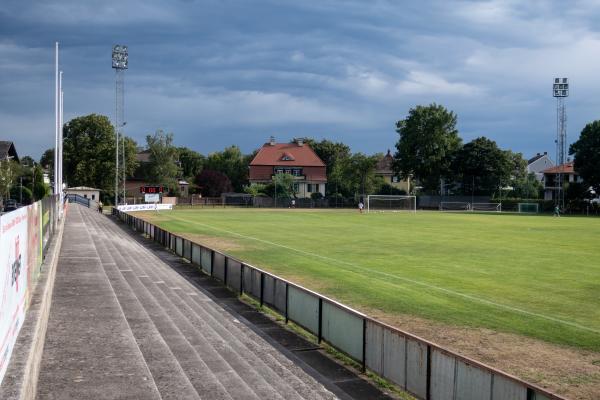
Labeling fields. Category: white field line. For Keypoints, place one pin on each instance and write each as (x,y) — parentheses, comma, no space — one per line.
(427,285)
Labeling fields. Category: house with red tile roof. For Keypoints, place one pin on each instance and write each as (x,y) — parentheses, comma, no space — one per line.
(297,159)
(552,180)
(384,169)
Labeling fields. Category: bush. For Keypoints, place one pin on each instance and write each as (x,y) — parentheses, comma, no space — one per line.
(316,196)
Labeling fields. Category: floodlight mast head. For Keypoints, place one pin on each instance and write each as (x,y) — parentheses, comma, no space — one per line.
(120,57)
(560,87)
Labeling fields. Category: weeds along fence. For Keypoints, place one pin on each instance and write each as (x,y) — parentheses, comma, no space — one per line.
(418,366)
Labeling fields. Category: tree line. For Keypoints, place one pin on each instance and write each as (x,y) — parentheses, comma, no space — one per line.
(429,151)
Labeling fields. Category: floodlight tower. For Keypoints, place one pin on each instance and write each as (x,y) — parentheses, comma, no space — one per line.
(120,57)
(560,91)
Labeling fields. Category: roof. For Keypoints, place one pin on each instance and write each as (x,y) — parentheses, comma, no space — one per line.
(536,157)
(143,156)
(384,165)
(7,149)
(287,154)
(83,188)
(566,168)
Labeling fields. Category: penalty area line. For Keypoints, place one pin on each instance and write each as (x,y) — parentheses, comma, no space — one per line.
(423,284)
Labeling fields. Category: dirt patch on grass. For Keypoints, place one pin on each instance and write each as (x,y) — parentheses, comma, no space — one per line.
(566,371)
(221,244)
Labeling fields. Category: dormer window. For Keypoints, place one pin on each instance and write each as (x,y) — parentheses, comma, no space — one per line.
(287,157)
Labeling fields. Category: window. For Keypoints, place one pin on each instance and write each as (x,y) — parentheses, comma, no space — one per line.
(296,172)
(93,197)
(296,187)
(288,171)
(309,187)
(85,196)
(395,179)
(316,187)
(183,188)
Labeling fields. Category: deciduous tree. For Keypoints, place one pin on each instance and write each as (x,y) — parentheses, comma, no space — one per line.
(427,145)
(586,151)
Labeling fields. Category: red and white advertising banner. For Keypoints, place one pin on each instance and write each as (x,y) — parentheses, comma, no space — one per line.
(14,276)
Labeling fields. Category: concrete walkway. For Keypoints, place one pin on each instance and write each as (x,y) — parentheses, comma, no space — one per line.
(125,324)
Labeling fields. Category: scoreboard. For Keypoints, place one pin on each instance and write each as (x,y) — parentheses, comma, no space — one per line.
(151,189)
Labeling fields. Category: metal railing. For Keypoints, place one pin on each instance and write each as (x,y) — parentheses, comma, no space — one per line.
(75,198)
(420,367)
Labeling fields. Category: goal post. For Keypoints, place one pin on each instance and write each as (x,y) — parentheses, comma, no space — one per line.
(455,206)
(532,208)
(393,203)
(492,207)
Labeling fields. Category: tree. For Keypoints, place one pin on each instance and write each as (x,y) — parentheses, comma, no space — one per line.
(213,183)
(482,167)
(427,145)
(332,154)
(47,162)
(89,153)
(191,162)
(162,167)
(586,151)
(232,163)
(9,172)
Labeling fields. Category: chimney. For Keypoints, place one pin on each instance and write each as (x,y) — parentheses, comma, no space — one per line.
(300,141)
(538,154)
(545,153)
(272,140)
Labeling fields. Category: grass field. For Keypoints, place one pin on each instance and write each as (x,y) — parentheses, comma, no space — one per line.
(532,275)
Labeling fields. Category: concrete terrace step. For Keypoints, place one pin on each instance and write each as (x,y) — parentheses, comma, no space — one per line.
(219,327)
(125,324)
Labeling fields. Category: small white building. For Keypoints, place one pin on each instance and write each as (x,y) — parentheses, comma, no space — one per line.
(539,164)
(86,192)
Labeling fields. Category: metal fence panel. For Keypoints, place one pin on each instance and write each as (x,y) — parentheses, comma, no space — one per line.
(304,309)
(234,273)
(416,367)
(394,357)
(374,349)
(472,383)
(442,376)
(187,250)
(255,288)
(196,252)
(219,266)
(507,389)
(343,329)
(178,246)
(280,296)
(269,290)
(173,241)
(205,260)
(247,278)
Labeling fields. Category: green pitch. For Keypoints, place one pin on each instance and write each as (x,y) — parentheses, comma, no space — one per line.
(532,275)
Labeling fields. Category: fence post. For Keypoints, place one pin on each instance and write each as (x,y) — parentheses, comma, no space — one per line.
(262,285)
(320,330)
(212,262)
(428,371)
(225,265)
(241,279)
(364,346)
(287,287)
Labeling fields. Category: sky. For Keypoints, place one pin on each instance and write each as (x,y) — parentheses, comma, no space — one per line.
(222,72)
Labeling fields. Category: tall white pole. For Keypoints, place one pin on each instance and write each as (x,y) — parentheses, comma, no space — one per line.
(117,139)
(56,124)
(60,136)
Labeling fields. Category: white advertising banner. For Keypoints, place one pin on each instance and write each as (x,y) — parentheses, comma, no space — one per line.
(152,198)
(14,275)
(145,207)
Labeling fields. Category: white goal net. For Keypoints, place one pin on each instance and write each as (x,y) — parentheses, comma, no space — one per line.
(528,207)
(455,206)
(380,203)
(494,207)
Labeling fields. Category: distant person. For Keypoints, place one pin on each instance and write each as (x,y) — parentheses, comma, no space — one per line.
(100,207)
(557,211)
(293,203)
(361,206)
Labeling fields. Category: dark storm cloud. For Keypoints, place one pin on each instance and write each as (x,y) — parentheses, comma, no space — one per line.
(234,72)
